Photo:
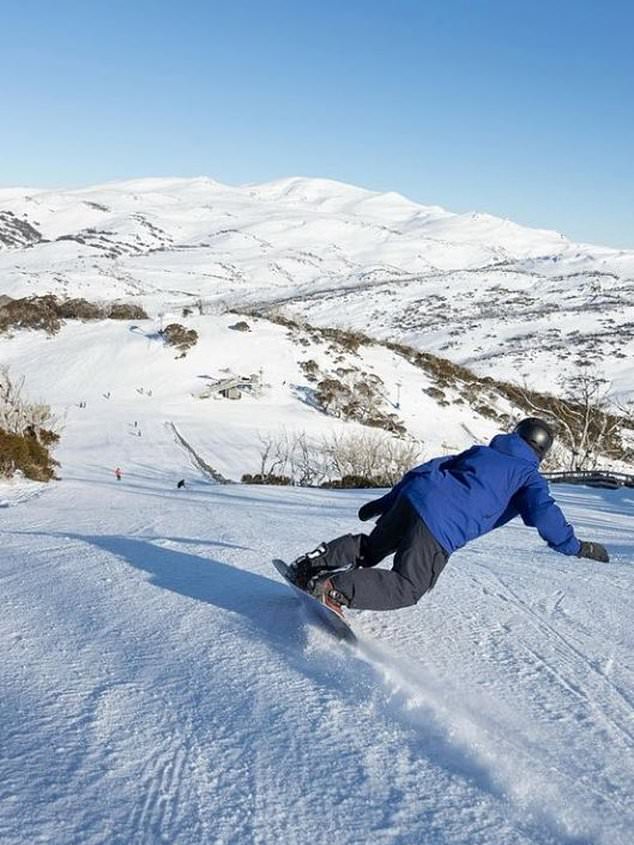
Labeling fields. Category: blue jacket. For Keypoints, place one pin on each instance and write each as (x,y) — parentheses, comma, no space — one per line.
(460,497)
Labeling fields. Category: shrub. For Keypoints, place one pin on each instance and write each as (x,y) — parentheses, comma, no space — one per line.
(310,369)
(258,478)
(126,311)
(26,432)
(28,453)
(356,400)
(180,337)
(79,309)
(348,340)
(356,482)
(436,393)
(31,312)
(46,313)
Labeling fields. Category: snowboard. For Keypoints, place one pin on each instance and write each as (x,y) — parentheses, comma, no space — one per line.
(330,620)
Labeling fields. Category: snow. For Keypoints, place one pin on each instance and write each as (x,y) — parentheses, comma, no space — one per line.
(114,366)
(342,255)
(161,684)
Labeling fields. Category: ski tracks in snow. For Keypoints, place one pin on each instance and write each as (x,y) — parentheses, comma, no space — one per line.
(164,686)
(542,726)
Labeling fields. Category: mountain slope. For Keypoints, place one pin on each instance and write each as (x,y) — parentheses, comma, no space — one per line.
(502,298)
(161,684)
(131,382)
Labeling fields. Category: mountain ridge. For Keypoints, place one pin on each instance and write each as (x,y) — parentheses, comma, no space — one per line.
(508,300)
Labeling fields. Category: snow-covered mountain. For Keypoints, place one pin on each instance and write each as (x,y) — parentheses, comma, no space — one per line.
(506,300)
(159,683)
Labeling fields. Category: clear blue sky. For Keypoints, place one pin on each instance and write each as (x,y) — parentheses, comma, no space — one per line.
(523,108)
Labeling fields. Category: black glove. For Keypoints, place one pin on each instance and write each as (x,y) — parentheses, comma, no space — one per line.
(594,551)
(369,510)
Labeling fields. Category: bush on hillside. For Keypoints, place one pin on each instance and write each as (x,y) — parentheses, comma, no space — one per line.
(79,309)
(27,453)
(126,311)
(182,338)
(26,433)
(590,427)
(258,478)
(47,313)
(358,400)
(310,369)
(355,482)
(31,312)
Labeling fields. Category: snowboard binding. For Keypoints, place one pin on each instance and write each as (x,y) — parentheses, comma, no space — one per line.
(306,567)
(311,573)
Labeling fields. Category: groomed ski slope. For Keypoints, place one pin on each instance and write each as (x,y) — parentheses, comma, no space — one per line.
(161,684)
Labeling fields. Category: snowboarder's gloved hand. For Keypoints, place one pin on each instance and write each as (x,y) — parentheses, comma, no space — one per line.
(594,551)
(369,510)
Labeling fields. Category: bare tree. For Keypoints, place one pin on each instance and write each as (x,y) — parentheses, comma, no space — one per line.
(373,456)
(275,452)
(17,414)
(266,445)
(586,424)
(308,467)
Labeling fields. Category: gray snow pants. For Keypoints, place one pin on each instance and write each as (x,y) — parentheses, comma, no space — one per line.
(418,561)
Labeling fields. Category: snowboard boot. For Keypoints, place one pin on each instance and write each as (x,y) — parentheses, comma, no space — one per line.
(322,588)
(307,566)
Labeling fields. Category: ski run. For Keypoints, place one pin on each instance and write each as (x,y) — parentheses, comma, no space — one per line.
(162,684)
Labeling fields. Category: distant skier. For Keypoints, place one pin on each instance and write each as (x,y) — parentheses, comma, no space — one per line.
(180,484)
(118,474)
(434,510)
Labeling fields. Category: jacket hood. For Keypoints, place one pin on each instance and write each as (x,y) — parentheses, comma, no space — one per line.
(515,447)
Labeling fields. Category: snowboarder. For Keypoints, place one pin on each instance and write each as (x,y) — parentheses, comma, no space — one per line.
(118,474)
(435,509)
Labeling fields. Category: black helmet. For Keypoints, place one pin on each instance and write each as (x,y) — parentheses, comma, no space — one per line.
(537,433)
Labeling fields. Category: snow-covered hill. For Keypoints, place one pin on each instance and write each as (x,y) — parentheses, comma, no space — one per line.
(160,683)
(507,300)
(131,382)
